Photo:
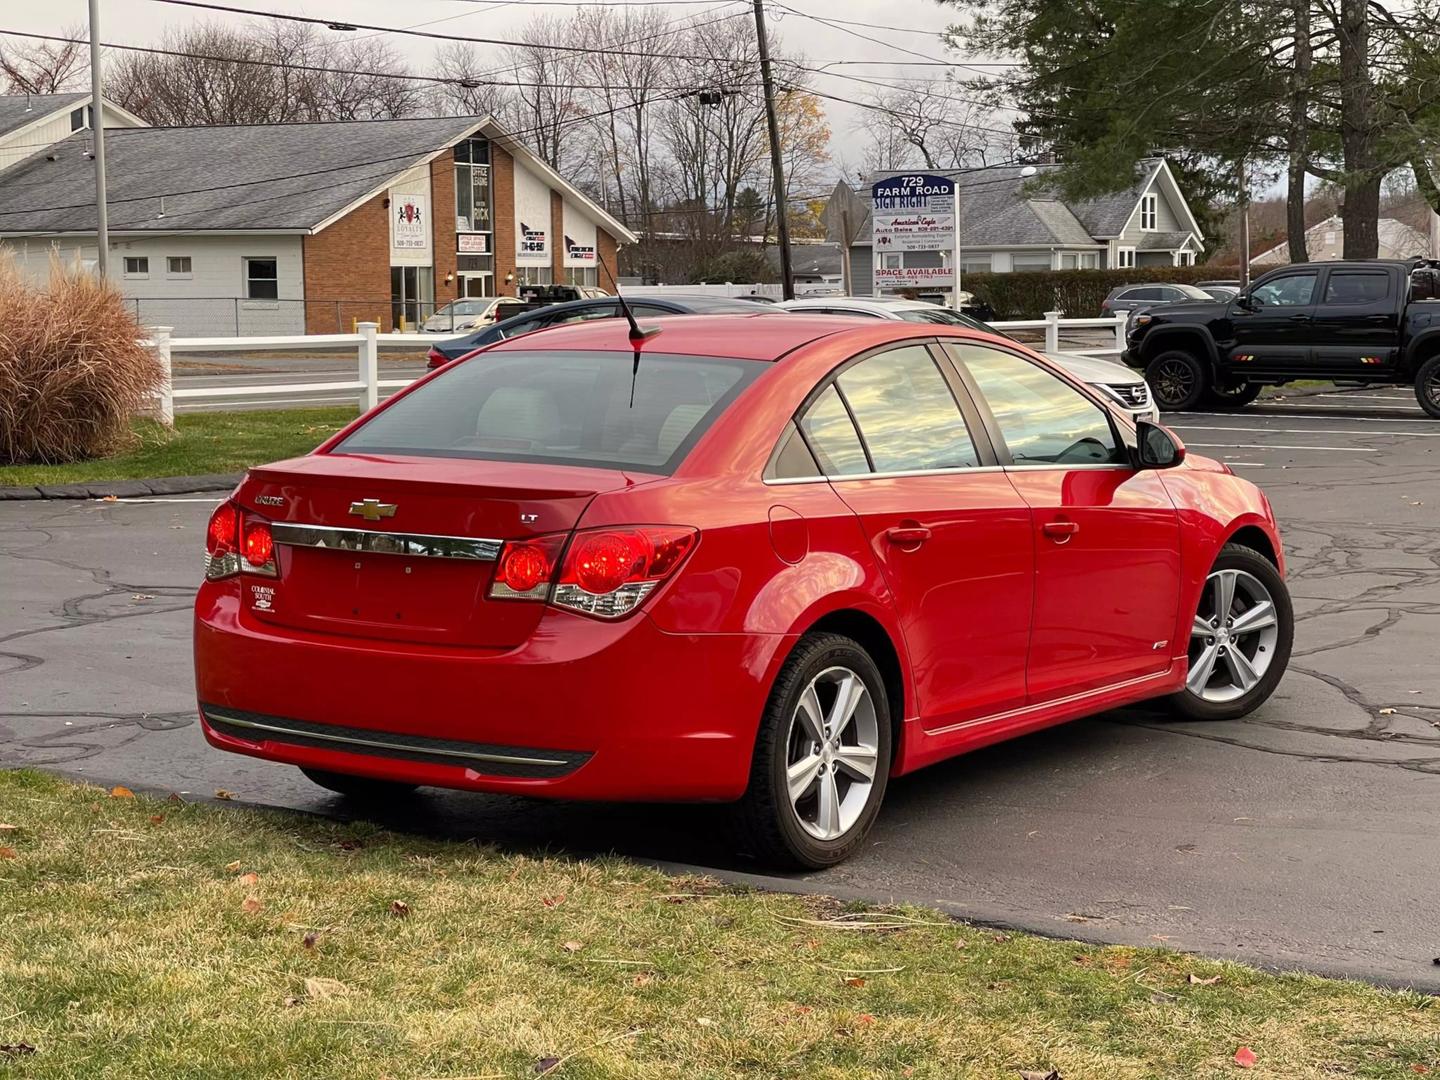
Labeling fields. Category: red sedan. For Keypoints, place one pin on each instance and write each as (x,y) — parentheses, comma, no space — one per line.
(766,561)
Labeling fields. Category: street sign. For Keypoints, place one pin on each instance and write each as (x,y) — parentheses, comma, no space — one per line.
(913,212)
(844,221)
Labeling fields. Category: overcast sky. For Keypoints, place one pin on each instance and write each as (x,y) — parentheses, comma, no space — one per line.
(141,22)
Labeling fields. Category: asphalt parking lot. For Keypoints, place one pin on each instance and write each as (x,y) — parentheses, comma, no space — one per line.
(1305,835)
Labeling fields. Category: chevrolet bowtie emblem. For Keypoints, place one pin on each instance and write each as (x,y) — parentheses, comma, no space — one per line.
(372,509)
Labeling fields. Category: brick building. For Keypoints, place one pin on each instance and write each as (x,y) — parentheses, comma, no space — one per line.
(293,228)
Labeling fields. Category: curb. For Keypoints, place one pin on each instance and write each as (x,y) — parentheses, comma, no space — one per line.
(125,489)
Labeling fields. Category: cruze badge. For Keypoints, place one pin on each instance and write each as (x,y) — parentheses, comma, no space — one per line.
(372,509)
(270,500)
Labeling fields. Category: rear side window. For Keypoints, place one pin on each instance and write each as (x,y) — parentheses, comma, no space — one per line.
(1141,294)
(1356,287)
(907,415)
(831,434)
(573,408)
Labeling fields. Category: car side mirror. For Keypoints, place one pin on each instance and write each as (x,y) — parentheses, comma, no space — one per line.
(1246,302)
(1157,447)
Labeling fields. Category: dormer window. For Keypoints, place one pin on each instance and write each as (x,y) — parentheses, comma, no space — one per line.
(1148,212)
(83,117)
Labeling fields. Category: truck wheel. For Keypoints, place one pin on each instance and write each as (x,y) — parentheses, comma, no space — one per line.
(1177,379)
(1427,386)
(1233,396)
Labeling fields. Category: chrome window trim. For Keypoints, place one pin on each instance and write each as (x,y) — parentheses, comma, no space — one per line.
(962,471)
(420,545)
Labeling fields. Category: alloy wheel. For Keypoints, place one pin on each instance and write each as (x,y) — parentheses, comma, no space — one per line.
(1431,390)
(1232,638)
(832,751)
(1174,381)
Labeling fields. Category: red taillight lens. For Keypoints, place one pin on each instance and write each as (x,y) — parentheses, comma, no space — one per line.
(220,536)
(435,358)
(259,544)
(609,572)
(525,567)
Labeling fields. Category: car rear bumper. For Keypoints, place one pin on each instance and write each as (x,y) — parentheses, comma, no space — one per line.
(584,710)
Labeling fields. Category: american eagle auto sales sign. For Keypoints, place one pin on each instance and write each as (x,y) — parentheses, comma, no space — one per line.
(913,213)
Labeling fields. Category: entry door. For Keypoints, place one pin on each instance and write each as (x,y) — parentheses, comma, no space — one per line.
(1275,333)
(482,284)
(948,531)
(1106,538)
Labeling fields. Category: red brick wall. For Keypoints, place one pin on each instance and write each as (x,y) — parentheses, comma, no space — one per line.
(442,226)
(609,269)
(557,237)
(347,271)
(502,194)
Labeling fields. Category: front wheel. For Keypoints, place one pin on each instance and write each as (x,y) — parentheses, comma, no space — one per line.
(1234,395)
(1240,638)
(1177,379)
(1427,386)
(822,757)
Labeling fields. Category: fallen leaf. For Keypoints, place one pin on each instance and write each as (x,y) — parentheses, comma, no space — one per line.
(643,979)
(572,946)
(803,1009)
(960,944)
(251,878)
(109,498)
(1419,1069)
(118,792)
(854,980)
(704,1021)
(545,1064)
(251,904)
(349,845)
(319,989)
(16,1049)
(1001,938)
(1196,980)
(7,853)
(233,867)
(400,909)
(157,819)
(1245,1057)
(143,596)
(865,1018)
(221,793)
(552,901)
(175,797)
(1387,712)
(310,938)
(8,828)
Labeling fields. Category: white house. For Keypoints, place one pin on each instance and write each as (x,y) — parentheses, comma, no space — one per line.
(1326,240)
(32,122)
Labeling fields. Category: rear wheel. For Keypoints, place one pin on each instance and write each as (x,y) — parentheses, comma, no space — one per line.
(1427,386)
(363,788)
(1232,395)
(1240,638)
(1177,379)
(822,757)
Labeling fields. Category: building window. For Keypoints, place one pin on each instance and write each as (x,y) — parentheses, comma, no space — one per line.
(262,279)
(83,117)
(1184,258)
(177,266)
(1030,261)
(472,186)
(1124,258)
(412,295)
(1148,212)
(1069,260)
(534,275)
(1089,260)
(975,264)
(137,267)
(585,275)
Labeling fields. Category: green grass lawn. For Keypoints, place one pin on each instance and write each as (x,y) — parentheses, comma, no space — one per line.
(200,443)
(150,938)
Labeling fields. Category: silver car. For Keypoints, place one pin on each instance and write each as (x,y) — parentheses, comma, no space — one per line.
(1135,297)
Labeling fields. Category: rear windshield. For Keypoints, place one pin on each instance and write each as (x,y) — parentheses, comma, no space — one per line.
(570,408)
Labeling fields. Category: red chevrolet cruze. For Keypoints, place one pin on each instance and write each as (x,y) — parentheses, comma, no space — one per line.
(751,559)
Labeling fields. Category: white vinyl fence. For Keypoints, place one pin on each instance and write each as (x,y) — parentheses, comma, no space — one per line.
(367,383)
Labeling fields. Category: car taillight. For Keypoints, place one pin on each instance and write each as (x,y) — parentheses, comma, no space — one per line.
(526,568)
(435,358)
(609,572)
(236,542)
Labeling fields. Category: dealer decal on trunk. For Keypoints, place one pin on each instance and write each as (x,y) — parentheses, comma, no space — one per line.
(262,597)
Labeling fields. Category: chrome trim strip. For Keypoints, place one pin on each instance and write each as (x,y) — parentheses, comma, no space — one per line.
(380,745)
(385,543)
(963,470)
(1041,706)
(1053,467)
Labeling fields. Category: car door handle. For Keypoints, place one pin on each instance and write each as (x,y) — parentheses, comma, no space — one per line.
(907,534)
(1060,531)
(1299,318)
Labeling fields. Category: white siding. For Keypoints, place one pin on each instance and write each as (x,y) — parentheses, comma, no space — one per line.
(46,130)
(581,232)
(414,183)
(532,208)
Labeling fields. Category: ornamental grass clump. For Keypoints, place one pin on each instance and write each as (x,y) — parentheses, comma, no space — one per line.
(73,371)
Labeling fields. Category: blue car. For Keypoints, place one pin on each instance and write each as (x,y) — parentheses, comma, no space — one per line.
(581,310)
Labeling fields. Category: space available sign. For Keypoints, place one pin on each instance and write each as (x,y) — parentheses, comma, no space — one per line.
(577,252)
(913,212)
(410,217)
(532,241)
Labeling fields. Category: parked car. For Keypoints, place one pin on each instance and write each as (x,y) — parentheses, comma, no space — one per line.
(1115,380)
(442,352)
(1349,322)
(472,312)
(1136,297)
(767,561)
(1220,292)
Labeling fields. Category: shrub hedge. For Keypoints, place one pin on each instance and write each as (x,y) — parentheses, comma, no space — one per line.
(1078,293)
(72,369)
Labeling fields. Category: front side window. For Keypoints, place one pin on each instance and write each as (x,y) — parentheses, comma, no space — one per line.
(262,279)
(1043,419)
(1030,261)
(906,413)
(599,409)
(831,434)
(1124,258)
(1356,287)
(178,266)
(137,267)
(1294,290)
(975,264)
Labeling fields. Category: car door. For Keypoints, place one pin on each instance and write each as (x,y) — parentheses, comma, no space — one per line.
(1106,537)
(1273,328)
(1357,323)
(948,531)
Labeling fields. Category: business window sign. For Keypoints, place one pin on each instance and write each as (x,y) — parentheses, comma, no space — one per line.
(578,252)
(411,218)
(473,243)
(532,241)
(913,213)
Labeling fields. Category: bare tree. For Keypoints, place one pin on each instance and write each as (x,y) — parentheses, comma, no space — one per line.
(469,89)
(934,123)
(44,67)
(547,103)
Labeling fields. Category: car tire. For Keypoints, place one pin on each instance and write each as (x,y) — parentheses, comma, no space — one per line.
(1177,380)
(1231,397)
(810,831)
(1221,695)
(360,788)
(1427,386)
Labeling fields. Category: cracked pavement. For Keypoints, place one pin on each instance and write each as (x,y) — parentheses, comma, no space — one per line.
(1303,836)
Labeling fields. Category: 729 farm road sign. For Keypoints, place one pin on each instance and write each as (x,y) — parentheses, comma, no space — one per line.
(913,213)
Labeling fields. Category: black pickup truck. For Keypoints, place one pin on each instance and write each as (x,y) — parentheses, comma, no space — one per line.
(1346,322)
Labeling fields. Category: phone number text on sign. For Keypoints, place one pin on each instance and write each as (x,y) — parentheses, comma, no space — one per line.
(902,277)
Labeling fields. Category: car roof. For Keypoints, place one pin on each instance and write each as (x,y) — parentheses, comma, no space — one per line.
(864,303)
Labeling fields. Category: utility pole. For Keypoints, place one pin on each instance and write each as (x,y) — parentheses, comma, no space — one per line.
(1244,209)
(777,168)
(97,133)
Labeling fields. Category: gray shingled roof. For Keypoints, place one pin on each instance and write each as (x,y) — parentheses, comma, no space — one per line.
(265,177)
(17,110)
(1161,241)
